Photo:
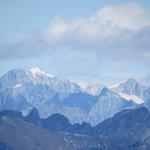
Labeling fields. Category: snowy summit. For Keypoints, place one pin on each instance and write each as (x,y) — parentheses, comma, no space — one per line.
(36,71)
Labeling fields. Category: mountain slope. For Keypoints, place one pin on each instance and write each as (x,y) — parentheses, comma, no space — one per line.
(131,87)
(18,77)
(135,121)
(128,129)
(108,104)
(135,90)
(17,134)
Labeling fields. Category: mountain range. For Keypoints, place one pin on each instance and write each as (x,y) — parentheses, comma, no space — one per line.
(126,130)
(22,90)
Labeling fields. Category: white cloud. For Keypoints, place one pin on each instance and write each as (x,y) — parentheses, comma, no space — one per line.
(114,32)
(108,22)
(129,16)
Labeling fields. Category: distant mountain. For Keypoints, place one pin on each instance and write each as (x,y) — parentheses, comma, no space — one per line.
(136,122)
(15,78)
(33,117)
(22,90)
(128,129)
(17,134)
(108,104)
(11,113)
(56,122)
(131,87)
(136,91)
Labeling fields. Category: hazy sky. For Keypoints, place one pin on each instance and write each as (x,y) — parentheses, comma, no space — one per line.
(83,40)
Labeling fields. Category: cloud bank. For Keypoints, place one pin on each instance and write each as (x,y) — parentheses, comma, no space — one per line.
(117,32)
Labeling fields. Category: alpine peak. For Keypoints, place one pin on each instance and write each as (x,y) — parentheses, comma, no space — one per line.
(38,71)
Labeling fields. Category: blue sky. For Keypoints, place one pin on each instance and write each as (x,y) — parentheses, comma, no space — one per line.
(83,40)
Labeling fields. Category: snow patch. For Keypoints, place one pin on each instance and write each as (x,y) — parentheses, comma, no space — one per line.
(36,71)
(134,98)
(17,85)
(113,86)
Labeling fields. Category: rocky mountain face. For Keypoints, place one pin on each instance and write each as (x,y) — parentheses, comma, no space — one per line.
(107,105)
(15,78)
(135,122)
(22,90)
(128,129)
(133,88)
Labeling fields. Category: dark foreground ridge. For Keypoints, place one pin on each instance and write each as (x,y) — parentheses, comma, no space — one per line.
(127,130)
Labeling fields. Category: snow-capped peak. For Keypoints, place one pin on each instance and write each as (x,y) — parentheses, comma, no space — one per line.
(125,83)
(131,90)
(36,71)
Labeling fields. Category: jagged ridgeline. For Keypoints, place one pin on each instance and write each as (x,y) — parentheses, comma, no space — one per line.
(22,90)
(128,129)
